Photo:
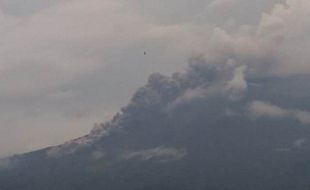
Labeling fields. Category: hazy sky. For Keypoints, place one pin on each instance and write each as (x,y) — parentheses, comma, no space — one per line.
(66,64)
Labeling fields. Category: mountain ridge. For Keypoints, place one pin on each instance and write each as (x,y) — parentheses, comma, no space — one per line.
(215,127)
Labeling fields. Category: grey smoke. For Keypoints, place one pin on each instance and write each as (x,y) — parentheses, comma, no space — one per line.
(161,153)
(75,72)
(263,109)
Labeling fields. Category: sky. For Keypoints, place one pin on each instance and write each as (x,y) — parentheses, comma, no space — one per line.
(67,64)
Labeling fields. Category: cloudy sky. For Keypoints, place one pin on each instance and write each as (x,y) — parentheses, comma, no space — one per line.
(67,64)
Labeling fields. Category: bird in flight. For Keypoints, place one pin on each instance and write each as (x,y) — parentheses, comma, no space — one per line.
(144,53)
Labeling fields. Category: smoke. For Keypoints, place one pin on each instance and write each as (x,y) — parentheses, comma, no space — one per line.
(224,75)
(263,109)
(223,60)
(270,49)
(224,113)
(259,109)
(58,56)
(160,153)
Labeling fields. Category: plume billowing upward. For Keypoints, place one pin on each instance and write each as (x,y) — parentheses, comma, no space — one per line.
(236,118)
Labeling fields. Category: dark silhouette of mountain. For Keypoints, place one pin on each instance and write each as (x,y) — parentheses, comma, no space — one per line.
(192,131)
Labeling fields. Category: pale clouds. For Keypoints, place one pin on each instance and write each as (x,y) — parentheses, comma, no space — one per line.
(215,5)
(60,45)
(264,109)
(238,83)
(259,108)
(277,45)
(286,31)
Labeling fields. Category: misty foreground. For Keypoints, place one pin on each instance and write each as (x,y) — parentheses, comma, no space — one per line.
(213,127)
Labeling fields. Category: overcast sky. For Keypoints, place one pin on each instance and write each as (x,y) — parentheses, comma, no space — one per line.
(67,64)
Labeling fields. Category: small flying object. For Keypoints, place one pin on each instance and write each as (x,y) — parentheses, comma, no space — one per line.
(144,53)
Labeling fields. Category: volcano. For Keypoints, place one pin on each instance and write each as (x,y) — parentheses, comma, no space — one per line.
(212,127)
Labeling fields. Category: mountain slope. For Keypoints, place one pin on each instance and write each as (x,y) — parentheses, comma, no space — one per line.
(214,127)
